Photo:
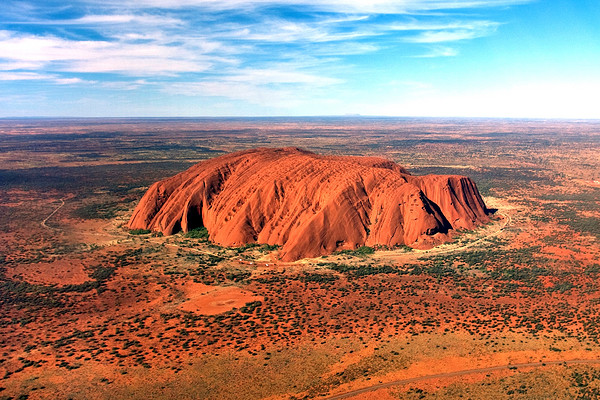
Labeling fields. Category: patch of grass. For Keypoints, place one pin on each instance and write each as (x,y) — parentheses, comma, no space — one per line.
(269,247)
(562,287)
(320,278)
(362,251)
(102,273)
(140,231)
(25,293)
(99,210)
(249,308)
(197,233)
(362,270)
(245,247)
(558,383)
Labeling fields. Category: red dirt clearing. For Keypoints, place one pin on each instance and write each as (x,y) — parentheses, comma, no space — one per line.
(212,300)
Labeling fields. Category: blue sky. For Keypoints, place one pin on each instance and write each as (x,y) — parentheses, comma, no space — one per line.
(480,58)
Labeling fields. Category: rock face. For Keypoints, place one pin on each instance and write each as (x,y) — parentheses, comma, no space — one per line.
(310,204)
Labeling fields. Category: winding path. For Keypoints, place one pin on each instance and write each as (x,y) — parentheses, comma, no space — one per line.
(62,203)
(447,248)
(399,382)
(507,221)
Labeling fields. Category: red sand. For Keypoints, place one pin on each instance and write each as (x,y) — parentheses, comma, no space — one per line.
(59,272)
(212,300)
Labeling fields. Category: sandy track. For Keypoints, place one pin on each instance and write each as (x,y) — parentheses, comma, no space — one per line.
(399,382)
(43,223)
(447,248)
(507,221)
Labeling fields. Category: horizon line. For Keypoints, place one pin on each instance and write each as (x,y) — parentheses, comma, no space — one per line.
(348,116)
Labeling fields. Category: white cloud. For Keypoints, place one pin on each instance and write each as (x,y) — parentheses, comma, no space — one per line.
(136,65)
(154,20)
(453,31)
(22,76)
(282,31)
(247,92)
(275,76)
(161,42)
(126,85)
(10,66)
(101,56)
(321,32)
(126,20)
(445,36)
(279,87)
(71,81)
(416,25)
(342,6)
(266,60)
(439,51)
(346,48)
(31,76)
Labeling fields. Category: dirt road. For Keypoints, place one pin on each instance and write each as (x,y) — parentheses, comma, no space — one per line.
(399,382)
(62,203)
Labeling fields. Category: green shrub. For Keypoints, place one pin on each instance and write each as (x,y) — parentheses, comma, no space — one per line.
(361,251)
(269,247)
(249,308)
(139,231)
(319,278)
(99,211)
(102,273)
(197,233)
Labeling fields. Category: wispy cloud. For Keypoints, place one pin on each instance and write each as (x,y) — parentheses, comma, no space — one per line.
(342,6)
(248,92)
(100,56)
(33,76)
(258,51)
(70,81)
(444,36)
(22,76)
(16,65)
(126,85)
(105,19)
(118,19)
(279,76)
(442,23)
(438,51)
(454,32)
(346,48)
(282,86)
(282,31)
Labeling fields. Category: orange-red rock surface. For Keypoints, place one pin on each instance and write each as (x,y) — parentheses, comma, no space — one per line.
(310,204)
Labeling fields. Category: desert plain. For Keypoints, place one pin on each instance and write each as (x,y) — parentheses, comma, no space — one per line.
(90,309)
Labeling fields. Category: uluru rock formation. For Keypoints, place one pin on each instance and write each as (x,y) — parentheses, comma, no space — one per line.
(310,204)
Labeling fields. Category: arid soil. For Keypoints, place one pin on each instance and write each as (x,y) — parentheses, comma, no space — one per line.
(92,310)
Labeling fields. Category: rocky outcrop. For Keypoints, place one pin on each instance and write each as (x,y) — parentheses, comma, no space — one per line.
(309,204)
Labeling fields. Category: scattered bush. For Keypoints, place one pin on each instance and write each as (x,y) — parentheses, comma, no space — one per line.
(361,251)
(99,211)
(197,233)
(102,273)
(139,231)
